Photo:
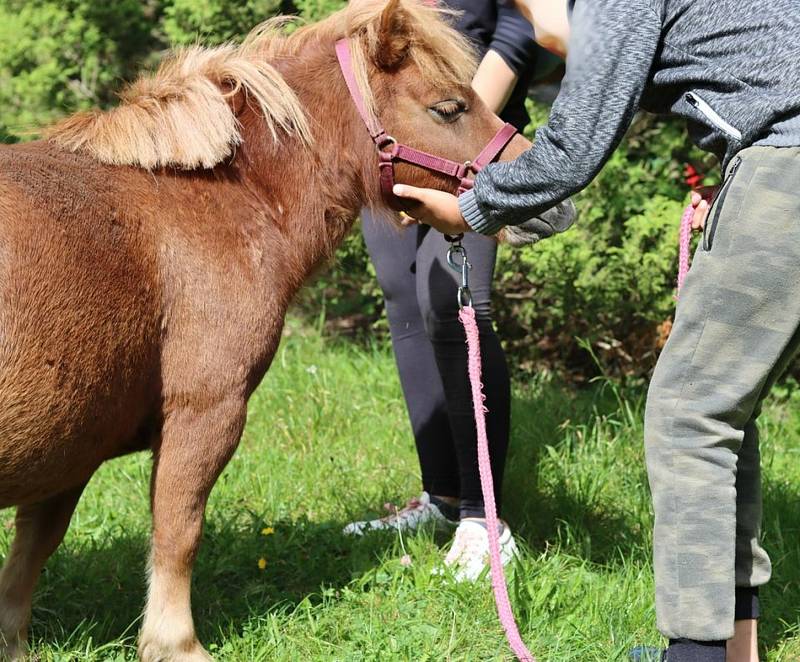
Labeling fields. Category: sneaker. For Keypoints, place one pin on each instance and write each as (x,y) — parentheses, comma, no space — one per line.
(469,554)
(416,513)
(647,654)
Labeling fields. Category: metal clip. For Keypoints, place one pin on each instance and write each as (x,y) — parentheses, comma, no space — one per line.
(463,266)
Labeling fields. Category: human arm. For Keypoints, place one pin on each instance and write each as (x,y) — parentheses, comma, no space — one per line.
(494,81)
(611,54)
(511,49)
(612,47)
(550,19)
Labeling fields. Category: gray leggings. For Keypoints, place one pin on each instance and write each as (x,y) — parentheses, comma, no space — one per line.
(429,346)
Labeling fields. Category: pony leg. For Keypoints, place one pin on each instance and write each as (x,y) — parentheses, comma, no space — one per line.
(195,448)
(40,528)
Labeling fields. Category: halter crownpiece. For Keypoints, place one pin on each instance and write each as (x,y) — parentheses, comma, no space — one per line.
(390,151)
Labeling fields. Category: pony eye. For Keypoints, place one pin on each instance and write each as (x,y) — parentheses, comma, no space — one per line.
(448,111)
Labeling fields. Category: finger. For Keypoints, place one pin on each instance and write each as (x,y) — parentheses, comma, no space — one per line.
(409,192)
(700,213)
(406,220)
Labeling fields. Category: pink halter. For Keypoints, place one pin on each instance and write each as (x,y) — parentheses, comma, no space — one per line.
(390,151)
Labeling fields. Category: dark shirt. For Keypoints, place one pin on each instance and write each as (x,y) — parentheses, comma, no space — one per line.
(497,26)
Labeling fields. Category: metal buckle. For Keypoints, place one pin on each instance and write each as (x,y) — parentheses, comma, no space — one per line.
(387,141)
(463,266)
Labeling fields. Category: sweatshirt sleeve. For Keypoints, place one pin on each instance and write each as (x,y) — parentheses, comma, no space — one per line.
(513,39)
(611,51)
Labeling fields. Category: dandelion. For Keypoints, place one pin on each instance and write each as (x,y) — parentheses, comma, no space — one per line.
(268,531)
(262,563)
(405,560)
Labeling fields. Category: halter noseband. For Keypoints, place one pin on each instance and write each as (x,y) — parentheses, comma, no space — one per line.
(390,151)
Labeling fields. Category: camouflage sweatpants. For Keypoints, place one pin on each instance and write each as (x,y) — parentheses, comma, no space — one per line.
(736,328)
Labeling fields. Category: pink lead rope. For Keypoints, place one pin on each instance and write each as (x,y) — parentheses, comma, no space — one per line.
(684,244)
(467,316)
(504,612)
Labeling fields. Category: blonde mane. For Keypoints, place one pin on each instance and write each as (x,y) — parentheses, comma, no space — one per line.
(181,115)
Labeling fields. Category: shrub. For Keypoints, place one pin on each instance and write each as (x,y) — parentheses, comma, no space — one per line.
(66,55)
(214,21)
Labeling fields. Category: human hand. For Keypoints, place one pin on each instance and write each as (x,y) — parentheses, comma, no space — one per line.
(701,201)
(435,208)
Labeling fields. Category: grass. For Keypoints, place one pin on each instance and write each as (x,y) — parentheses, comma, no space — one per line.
(327,441)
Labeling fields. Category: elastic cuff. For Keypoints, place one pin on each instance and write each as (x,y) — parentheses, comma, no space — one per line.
(474,216)
(747,604)
(472,509)
(690,650)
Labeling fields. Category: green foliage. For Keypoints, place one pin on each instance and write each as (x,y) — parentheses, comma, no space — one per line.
(314,10)
(66,55)
(214,21)
(610,280)
(59,56)
(6,137)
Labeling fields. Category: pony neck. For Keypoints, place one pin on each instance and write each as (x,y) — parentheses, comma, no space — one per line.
(314,193)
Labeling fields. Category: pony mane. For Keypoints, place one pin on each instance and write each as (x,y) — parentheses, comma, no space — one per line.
(181,115)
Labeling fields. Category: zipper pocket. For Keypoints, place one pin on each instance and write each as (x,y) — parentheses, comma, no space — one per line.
(713,116)
(711,230)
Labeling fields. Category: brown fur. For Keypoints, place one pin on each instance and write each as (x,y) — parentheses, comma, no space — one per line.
(141,306)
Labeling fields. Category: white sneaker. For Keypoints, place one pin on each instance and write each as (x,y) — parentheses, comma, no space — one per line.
(469,554)
(416,513)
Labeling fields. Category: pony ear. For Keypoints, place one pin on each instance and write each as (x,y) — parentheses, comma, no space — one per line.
(394,36)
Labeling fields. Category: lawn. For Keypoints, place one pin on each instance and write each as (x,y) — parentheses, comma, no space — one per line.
(327,441)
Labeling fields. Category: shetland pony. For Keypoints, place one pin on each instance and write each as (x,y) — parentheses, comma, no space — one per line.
(148,254)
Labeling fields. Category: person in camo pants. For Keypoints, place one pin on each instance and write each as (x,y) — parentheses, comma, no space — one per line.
(732,69)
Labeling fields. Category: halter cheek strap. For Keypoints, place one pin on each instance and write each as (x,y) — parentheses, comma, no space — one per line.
(390,151)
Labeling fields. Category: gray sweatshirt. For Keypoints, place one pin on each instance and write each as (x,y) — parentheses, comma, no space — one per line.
(730,67)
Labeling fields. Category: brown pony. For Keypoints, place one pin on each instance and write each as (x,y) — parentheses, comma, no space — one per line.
(148,255)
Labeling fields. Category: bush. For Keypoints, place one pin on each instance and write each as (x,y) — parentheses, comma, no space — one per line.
(59,56)
(6,137)
(66,55)
(214,21)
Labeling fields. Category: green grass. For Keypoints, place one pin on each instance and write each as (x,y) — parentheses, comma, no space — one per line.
(327,440)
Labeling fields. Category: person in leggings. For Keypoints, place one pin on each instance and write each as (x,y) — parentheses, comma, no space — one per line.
(428,339)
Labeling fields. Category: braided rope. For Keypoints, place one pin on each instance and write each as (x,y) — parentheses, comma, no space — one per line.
(504,612)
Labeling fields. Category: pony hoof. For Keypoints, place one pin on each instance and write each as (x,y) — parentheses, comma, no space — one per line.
(152,652)
(16,652)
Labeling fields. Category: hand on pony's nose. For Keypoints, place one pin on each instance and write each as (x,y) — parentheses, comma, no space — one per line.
(435,208)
